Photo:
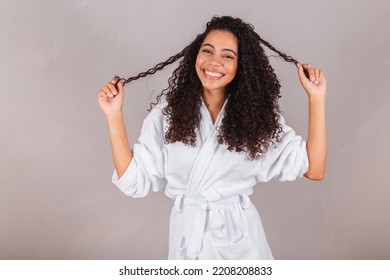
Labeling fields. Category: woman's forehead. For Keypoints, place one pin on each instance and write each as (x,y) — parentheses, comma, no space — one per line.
(221,39)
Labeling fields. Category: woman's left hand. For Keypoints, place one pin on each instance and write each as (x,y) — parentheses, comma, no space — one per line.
(316,84)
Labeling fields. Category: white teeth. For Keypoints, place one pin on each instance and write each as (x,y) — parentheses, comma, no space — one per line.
(214,74)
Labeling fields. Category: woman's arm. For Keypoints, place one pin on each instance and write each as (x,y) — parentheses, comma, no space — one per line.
(110,99)
(315,88)
(121,152)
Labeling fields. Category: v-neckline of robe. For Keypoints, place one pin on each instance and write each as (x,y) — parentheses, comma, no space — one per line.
(218,119)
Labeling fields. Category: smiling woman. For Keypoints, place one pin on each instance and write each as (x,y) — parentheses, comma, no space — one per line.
(216,66)
(212,135)
(216,63)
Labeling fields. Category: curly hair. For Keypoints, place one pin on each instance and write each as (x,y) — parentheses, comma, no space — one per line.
(251,120)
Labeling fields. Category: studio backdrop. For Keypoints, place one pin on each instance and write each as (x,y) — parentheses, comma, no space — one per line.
(56,196)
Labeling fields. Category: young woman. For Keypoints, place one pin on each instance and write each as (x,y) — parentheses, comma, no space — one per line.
(213,134)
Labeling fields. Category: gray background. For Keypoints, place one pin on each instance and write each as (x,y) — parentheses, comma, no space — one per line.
(56,197)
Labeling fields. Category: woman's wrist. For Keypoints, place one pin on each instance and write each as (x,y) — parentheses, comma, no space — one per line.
(317,98)
(114,116)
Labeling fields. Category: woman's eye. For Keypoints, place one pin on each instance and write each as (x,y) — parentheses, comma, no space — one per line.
(229,57)
(206,51)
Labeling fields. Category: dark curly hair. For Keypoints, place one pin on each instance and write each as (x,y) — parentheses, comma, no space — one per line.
(250,123)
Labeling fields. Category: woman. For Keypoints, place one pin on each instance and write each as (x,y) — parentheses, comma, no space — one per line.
(214,133)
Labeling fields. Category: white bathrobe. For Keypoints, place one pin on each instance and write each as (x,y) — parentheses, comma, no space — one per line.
(212,216)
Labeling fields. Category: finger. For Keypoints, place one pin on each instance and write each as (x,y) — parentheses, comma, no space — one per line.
(108,91)
(312,74)
(115,80)
(304,70)
(102,94)
(301,74)
(322,75)
(112,88)
(307,68)
(317,75)
(120,87)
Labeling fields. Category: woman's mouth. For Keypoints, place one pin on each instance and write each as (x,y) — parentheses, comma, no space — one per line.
(212,75)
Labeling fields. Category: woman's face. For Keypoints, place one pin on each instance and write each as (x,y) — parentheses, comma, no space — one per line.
(217,60)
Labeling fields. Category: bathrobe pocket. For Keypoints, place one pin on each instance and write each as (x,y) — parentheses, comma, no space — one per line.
(233,238)
(242,249)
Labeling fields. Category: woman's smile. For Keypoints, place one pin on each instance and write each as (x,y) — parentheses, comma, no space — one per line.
(212,75)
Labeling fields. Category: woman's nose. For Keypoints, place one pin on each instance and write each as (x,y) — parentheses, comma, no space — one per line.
(216,61)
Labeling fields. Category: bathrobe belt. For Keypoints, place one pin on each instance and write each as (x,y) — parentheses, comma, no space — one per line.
(195,213)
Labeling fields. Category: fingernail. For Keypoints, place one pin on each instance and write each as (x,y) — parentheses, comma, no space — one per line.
(115,79)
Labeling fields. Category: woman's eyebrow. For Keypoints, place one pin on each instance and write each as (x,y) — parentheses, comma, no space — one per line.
(209,45)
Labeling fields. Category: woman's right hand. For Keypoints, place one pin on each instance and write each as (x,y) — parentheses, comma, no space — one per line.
(111,97)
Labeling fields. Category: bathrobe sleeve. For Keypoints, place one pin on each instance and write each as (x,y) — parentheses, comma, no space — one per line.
(146,170)
(287,161)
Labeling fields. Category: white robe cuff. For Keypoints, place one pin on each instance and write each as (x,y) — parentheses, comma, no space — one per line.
(127,179)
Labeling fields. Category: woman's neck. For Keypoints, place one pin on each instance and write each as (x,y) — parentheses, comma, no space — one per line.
(214,100)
